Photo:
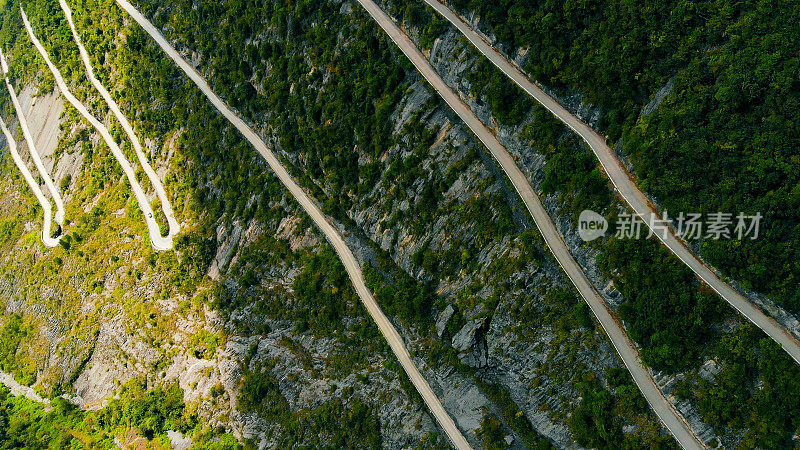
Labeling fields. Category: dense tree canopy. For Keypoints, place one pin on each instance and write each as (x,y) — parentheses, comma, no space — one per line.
(726,138)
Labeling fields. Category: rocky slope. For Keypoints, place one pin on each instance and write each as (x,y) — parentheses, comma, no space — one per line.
(251,314)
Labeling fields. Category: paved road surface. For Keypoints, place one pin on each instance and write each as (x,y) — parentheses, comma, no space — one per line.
(37,191)
(349,261)
(20,390)
(626,187)
(158,242)
(37,160)
(166,206)
(627,351)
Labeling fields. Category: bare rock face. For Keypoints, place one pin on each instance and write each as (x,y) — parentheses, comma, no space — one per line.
(44,118)
(466,337)
(229,239)
(444,319)
(470,343)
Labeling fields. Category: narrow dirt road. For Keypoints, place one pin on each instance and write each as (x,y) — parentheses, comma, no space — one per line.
(166,206)
(158,242)
(332,234)
(622,343)
(37,191)
(37,159)
(626,187)
(20,390)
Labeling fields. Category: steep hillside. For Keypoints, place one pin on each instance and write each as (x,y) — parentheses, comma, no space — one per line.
(722,135)
(685,332)
(251,314)
(101,309)
(250,331)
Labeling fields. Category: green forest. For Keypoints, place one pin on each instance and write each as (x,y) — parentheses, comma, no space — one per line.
(677,321)
(207,186)
(725,139)
(326,100)
(334,101)
(150,413)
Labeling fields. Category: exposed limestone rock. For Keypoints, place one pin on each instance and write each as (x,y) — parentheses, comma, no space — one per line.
(466,338)
(229,239)
(470,343)
(43,114)
(443,319)
(658,98)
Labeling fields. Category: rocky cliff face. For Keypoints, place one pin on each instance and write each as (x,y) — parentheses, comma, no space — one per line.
(242,293)
(102,309)
(451,59)
(125,329)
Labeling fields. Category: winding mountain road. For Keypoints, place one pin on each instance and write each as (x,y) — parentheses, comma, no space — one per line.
(37,190)
(623,183)
(166,206)
(332,234)
(37,159)
(158,242)
(625,348)
(20,390)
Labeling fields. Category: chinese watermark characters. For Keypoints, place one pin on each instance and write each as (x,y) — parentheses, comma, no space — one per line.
(691,226)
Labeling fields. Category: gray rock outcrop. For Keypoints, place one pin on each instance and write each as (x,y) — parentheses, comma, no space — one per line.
(470,344)
(444,319)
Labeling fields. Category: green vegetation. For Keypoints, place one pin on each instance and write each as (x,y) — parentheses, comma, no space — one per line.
(671,324)
(595,425)
(332,425)
(490,433)
(14,359)
(504,100)
(152,411)
(138,416)
(725,139)
(572,171)
(326,100)
(730,135)
(675,319)
(617,53)
(362,82)
(677,322)
(25,424)
(213,178)
(756,389)
(403,296)
(322,302)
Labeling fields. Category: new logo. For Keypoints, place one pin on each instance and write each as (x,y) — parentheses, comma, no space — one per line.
(591,225)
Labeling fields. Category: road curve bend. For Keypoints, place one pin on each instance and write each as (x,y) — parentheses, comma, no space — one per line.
(166,206)
(158,242)
(332,234)
(37,191)
(623,183)
(37,160)
(674,422)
